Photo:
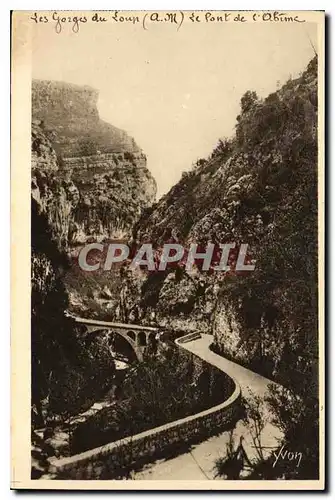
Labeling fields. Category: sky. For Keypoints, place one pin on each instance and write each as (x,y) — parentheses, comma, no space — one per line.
(175,92)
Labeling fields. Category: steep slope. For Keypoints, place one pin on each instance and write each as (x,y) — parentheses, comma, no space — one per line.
(56,197)
(258,188)
(101,162)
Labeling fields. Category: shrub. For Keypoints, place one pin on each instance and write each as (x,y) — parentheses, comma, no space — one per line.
(156,391)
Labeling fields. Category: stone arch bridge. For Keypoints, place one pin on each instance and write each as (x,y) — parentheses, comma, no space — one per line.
(139,337)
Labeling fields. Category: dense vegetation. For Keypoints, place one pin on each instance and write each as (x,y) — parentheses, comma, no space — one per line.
(260,188)
(158,390)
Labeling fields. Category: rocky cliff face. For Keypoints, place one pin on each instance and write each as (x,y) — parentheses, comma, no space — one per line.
(56,198)
(258,188)
(98,168)
(114,189)
(70,112)
(89,179)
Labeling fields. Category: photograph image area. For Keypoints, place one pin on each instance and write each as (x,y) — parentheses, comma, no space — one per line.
(172,167)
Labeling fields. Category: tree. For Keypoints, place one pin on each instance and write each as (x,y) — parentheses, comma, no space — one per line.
(87,147)
(248,100)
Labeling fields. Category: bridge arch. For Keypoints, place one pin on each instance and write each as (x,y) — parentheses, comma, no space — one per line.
(141,339)
(137,336)
(123,346)
(132,335)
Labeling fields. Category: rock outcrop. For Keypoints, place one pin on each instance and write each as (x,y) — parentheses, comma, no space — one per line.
(88,179)
(97,167)
(70,112)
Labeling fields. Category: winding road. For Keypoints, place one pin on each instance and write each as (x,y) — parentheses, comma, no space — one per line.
(199,462)
(247,379)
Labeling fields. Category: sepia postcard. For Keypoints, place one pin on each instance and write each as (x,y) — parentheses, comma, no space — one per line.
(167,213)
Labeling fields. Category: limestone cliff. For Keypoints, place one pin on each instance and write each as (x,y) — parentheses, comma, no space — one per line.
(70,111)
(88,178)
(99,166)
(56,198)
